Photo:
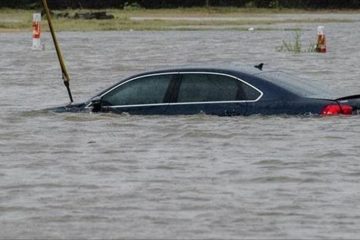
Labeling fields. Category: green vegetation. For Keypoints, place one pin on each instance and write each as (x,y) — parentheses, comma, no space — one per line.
(15,20)
(295,45)
(160,19)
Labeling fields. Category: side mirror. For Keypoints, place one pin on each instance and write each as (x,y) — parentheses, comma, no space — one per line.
(96,103)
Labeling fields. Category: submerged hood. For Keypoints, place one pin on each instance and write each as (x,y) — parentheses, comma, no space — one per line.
(74,107)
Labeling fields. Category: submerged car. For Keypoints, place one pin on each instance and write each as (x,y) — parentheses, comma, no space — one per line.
(216,91)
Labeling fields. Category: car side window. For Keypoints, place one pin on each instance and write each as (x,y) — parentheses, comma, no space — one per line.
(214,87)
(145,90)
(249,93)
(206,88)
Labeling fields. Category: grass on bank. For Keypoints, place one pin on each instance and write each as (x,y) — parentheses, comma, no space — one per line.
(295,45)
(160,19)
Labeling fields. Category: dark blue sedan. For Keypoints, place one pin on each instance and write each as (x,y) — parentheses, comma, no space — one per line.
(216,91)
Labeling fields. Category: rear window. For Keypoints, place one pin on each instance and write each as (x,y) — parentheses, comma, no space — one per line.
(207,88)
(300,86)
(202,87)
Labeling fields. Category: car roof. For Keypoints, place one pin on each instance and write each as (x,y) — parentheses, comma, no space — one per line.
(218,69)
(290,83)
(235,71)
(251,74)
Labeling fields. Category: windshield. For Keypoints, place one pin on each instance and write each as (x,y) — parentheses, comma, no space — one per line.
(300,86)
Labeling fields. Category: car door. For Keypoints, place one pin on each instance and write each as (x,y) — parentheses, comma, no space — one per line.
(209,93)
(148,94)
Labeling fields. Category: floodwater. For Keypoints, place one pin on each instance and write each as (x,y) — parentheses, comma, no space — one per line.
(95,176)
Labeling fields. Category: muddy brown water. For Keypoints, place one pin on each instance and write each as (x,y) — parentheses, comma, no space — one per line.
(118,176)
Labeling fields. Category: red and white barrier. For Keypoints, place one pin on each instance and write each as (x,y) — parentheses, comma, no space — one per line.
(36,43)
(321,40)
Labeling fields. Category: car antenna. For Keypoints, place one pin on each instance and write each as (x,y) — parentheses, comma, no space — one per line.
(260,66)
(65,75)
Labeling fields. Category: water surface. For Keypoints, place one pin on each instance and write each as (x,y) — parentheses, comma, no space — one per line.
(94,176)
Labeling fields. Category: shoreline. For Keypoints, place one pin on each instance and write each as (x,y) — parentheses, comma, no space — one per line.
(15,20)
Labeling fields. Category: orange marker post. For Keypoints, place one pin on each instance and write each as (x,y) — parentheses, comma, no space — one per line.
(36,43)
(321,40)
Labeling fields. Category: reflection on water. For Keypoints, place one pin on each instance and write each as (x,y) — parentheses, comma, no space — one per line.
(120,176)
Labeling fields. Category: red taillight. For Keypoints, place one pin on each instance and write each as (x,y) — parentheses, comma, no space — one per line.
(335,109)
(346,109)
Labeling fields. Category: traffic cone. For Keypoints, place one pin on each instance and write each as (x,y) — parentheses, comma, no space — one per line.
(321,40)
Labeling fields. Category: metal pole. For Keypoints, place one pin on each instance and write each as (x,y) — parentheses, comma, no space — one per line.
(65,75)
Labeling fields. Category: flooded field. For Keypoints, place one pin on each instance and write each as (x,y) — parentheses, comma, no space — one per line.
(99,176)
